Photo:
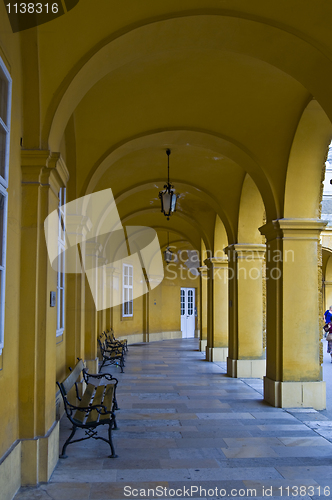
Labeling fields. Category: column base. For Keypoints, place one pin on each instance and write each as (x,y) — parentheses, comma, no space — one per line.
(216,353)
(246,368)
(39,457)
(10,472)
(202,345)
(295,394)
(92,365)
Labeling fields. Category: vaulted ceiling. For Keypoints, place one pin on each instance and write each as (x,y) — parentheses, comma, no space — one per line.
(222,84)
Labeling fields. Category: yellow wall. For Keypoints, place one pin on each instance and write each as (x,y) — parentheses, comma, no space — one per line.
(164,305)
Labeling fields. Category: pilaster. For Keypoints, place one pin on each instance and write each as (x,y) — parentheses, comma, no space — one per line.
(217,309)
(203,308)
(293,315)
(246,311)
(42,176)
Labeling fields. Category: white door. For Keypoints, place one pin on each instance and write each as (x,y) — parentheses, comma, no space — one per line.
(188,312)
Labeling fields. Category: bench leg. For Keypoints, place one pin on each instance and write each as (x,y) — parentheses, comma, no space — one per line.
(112,422)
(63,454)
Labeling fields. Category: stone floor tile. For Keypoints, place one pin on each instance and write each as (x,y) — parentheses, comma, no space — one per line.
(127,463)
(312,441)
(252,441)
(273,415)
(153,475)
(144,443)
(79,462)
(249,452)
(64,491)
(34,494)
(80,476)
(149,422)
(261,473)
(258,462)
(314,472)
(286,427)
(303,451)
(225,416)
(187,463)
(276,434)
(200,443)
(148,434)
(193,453)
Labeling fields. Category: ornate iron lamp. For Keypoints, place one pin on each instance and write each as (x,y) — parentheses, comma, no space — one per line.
(168,197)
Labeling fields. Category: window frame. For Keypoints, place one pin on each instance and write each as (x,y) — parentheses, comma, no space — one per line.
(61,285)
(3,191)
(127,313)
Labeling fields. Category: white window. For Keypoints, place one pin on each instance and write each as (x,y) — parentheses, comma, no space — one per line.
(61,264)
(127,291)
(5,106)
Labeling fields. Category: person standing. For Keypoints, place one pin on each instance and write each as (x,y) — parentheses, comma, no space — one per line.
(328,329)
(328,315)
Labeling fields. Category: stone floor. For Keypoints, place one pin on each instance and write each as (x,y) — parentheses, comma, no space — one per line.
(187,430)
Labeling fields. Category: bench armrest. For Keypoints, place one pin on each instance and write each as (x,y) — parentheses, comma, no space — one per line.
(98,376)
(88,409)
(116,349)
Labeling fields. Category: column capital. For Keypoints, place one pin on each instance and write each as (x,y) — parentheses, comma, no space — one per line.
(77,224)
(293,229)
(216,262)
(255,251)
(40,166)
(110,270)
(93,248)
(202,270)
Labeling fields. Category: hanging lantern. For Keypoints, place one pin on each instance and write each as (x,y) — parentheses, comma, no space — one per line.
(168,197)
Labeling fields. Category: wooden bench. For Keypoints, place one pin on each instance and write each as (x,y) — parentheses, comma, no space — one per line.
(96,406)
(113,342)
(111,354)
(123,342)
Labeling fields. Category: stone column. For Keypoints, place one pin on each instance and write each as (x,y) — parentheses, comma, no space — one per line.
(217,309)
(203,308)
(293,371)
(42,176)
(246,311)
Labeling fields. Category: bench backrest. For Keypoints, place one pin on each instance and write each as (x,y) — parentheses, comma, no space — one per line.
(68,383)
(102,345)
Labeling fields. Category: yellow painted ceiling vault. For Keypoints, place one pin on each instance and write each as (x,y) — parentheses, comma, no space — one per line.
(226,85)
